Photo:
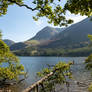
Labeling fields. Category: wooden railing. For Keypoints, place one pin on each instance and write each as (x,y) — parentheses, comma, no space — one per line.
(34,87)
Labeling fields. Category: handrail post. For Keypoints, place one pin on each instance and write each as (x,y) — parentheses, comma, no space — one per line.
(35,85)
(36,88)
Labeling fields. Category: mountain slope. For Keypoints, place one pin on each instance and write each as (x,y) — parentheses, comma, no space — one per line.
(74,36)
(18,46)
(41,38)
(73,41)
(8,42)
(46,33)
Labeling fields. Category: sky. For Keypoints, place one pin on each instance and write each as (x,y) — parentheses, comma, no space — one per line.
(18,25)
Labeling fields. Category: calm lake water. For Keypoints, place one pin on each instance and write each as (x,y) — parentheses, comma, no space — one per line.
(36,64)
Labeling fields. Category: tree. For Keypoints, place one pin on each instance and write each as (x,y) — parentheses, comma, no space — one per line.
(51,9)
(60,75)
(84,7)
(48,8)
(10,68)
(88,61)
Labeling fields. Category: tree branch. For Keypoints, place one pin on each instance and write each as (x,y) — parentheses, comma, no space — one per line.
(21,5)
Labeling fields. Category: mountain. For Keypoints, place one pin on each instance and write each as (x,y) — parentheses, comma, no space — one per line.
(75,36)
(47,33)
(8,42)
(18,46)
(41,37)
(72,41)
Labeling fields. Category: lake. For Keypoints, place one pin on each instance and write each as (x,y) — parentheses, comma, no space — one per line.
(36,64)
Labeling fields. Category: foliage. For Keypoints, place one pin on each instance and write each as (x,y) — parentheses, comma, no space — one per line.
(82,7)
(90,37)
(61,72)
(85,51)
(88,61)
(10,68)
(5,3)
(51,9)
(90,88)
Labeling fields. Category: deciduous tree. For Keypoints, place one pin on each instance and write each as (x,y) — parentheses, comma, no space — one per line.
(10,68)
(51,9)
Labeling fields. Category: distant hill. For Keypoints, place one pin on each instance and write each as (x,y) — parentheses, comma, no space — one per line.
(47,33)
(18,46)
(75,36)
(41,38)
(8,42)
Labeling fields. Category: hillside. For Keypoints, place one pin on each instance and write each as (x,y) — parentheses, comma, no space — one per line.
(47,33)
(42,37)
(75,36)
(8,42)
(34,51)
(73,41)
(18,46)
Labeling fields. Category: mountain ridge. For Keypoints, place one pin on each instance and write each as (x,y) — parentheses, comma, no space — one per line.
(75,34)
(72,40)
(47,33)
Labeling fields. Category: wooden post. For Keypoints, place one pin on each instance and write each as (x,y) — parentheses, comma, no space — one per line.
(42,87)
(35,85)
(36,88)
